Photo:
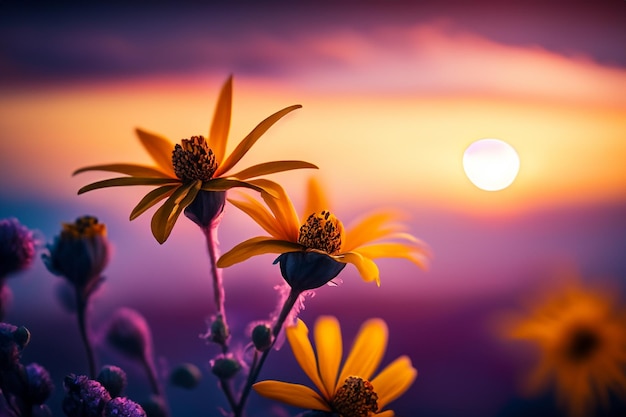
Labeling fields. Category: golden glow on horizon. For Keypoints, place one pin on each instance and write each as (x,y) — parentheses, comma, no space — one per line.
(491,164)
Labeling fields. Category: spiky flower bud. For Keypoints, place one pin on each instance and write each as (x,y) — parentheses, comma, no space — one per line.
(123,407)
(84,397)
(262,337)
(225,367)
(218,331)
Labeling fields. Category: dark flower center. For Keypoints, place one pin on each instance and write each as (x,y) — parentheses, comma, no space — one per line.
(322,231)
(83,227)
(193,160)
(355,398)
(583,343)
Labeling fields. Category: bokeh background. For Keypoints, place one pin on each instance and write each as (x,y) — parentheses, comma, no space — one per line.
(392,93)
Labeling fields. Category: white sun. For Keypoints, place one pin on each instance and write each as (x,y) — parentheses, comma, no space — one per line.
(491,164)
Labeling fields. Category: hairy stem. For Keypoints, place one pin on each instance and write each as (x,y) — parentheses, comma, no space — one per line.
(81,315)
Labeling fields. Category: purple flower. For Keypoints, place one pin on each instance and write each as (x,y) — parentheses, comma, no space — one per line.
(17,247)
(84,397)
(123,407)
(39,383)
(12,340)
(80,253)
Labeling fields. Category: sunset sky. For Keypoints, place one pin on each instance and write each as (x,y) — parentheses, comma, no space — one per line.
(392,94)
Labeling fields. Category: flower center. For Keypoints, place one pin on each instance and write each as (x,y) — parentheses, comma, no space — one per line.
(193,160)
(322,231)
(83,227)
(355,398)
(582,344)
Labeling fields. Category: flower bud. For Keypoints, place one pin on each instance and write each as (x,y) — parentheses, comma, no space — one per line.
(225,367)
(113,378)
(218,332)
(186,376)
(9,348)
(262,337)
(21,335)
(39,383)
(155,407)
(206,208)
(129,333)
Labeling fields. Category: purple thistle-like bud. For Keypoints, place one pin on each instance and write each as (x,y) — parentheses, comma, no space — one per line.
(129,333)
(123,407)
(40,384)
(308,270)
(84,397)
(262,337)
(218,331)
(12,340)
(113,378)
(225,366)
(17,247)
(80,253)
(206,209)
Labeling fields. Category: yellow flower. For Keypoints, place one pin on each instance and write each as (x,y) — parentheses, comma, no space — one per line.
(196,165)
(351,391)
(315,248)
(582,338)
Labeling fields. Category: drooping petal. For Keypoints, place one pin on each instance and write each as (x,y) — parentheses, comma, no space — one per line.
(128,169)
(218,135)
(386,413)
(151,199)
(281,206)
(255,246)
(412,253)
(260,215)
(159,148)
(366,267)
(367,351)
(316,200)
(223,184)
(165,217)
(372,227)
(298,337)
(252,137)
(293,394)
(328,345)
(394,380)
(271,168)
(126,181)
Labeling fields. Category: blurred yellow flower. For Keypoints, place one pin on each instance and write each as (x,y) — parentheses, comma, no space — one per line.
(315,248)
(581,334)
(349,391)
(185,170)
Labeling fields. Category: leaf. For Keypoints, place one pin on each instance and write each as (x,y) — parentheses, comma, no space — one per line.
(126,181)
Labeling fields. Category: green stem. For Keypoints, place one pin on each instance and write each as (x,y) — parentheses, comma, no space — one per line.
(81,313)
(255,370)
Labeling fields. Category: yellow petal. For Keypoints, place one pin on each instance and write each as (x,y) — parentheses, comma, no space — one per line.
(247,142)
(126,181)
(260,215)
(281,206)
(271,168)
(151,199)
(367,351)
(394,380)
(165,217)
(223,184)
(218,135)
(159,148)
(128,169)
(316,200)
(366,267)
(374,226)
(255,246)
(329,351)
(395,250)
(298,337)
(293,394)
(386,413)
